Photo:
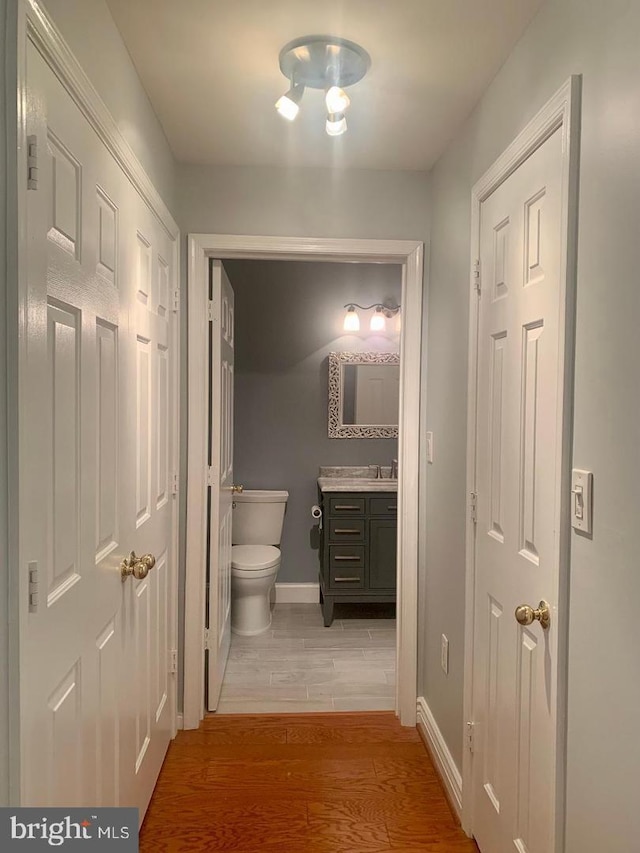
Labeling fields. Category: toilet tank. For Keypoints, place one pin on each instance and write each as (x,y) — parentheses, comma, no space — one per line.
(258,516)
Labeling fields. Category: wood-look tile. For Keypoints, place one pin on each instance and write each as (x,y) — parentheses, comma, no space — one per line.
(364,703)
(364,624)
(315,656)
(288,706)
(341,689)
(262,693)
(266,641)
(347,640)
(380,654)
(321,634)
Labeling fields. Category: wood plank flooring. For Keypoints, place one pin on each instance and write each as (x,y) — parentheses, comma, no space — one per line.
(303,783)
(299,665)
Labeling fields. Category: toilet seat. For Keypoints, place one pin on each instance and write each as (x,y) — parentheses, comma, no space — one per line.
(254,559)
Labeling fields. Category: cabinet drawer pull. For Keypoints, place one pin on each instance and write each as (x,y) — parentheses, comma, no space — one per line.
(393,508)
(346,530)
(350,557)
(346,506)
(346,580)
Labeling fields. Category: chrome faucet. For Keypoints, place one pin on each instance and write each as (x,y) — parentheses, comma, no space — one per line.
(376,471)
(394,469)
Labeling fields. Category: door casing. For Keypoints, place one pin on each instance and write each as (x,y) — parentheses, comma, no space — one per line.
(562,111)
(410,255)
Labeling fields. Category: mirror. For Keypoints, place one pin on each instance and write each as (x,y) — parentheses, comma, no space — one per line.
(364,394)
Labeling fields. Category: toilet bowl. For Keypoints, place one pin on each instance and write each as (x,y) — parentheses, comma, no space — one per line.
(258,516)
(253,574)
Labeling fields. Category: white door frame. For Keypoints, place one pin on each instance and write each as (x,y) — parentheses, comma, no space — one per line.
(561,112)
(410,255)
(35,24)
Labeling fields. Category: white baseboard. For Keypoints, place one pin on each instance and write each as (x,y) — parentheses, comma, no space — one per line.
(297,593)
(446,766)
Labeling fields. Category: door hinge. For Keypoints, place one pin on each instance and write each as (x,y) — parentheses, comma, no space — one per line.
(174,483)
(206,638)
(175,305)
(469,735)
(32,162)
(173,661)
(476,277)
(210,311)
(473,506)
(33,587)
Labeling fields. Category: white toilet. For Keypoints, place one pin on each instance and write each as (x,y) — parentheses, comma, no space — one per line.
(258,517)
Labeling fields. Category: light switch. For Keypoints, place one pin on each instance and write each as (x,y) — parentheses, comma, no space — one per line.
(429,444)
(581,500)
(444,654)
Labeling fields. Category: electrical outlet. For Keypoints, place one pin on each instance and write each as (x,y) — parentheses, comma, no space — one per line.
(430,447)
(444,654)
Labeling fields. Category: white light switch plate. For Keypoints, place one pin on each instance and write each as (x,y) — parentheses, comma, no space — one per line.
(581,500)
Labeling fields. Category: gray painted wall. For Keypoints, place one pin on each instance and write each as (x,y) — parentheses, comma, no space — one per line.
(600,41)
(90,32)
(288,318)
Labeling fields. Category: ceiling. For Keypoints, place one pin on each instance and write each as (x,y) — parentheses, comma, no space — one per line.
(210,68)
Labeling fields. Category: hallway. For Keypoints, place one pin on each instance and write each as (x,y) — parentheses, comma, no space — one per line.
(306,783)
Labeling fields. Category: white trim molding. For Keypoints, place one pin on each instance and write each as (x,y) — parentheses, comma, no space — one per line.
(297,593)
(445,765)
(561,112)
(410,255)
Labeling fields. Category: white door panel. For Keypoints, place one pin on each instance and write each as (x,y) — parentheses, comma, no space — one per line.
(97,703)
(517,544)
(221,384)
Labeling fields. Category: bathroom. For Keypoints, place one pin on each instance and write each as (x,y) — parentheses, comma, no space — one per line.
(289,316)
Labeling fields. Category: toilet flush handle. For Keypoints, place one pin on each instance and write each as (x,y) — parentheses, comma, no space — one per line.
(237,490)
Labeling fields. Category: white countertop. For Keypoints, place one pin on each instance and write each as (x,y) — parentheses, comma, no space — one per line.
(356,484)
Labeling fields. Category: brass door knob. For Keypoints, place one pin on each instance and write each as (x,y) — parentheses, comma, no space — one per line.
(526,615)
(139,567)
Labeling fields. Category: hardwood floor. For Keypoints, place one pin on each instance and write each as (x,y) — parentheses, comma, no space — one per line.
(303,783)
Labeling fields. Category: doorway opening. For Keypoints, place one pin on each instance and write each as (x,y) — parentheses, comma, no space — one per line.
(409,256)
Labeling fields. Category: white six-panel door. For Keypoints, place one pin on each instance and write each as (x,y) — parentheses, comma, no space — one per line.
(517,540)
(97,699)
(221,384)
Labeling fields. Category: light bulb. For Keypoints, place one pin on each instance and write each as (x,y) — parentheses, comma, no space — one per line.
(288,104)
(336,100)
(378,321)
(336,124)
(351,320)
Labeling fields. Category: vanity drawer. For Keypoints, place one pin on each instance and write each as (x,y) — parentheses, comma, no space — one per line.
(346,530)
(384,505)
(346,576)
(347,505)
(346,557)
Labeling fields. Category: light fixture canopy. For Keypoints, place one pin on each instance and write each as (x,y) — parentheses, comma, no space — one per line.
(378,322)
(322,62)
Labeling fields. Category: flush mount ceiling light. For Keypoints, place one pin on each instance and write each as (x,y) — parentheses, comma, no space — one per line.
(322,62)
(378,322)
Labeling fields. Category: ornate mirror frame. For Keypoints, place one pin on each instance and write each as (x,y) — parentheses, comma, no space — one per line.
(338,429)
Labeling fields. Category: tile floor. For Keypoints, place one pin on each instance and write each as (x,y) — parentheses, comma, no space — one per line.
(299,665)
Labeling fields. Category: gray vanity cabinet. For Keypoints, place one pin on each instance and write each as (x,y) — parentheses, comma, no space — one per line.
(357,549)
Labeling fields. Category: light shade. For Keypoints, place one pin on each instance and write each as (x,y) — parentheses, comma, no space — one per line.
(288,104)
(351,320)
(378,321)
(336,100)
(336,124)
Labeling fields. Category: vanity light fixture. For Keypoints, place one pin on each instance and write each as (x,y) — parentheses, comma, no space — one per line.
(322,62)
(378,322)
